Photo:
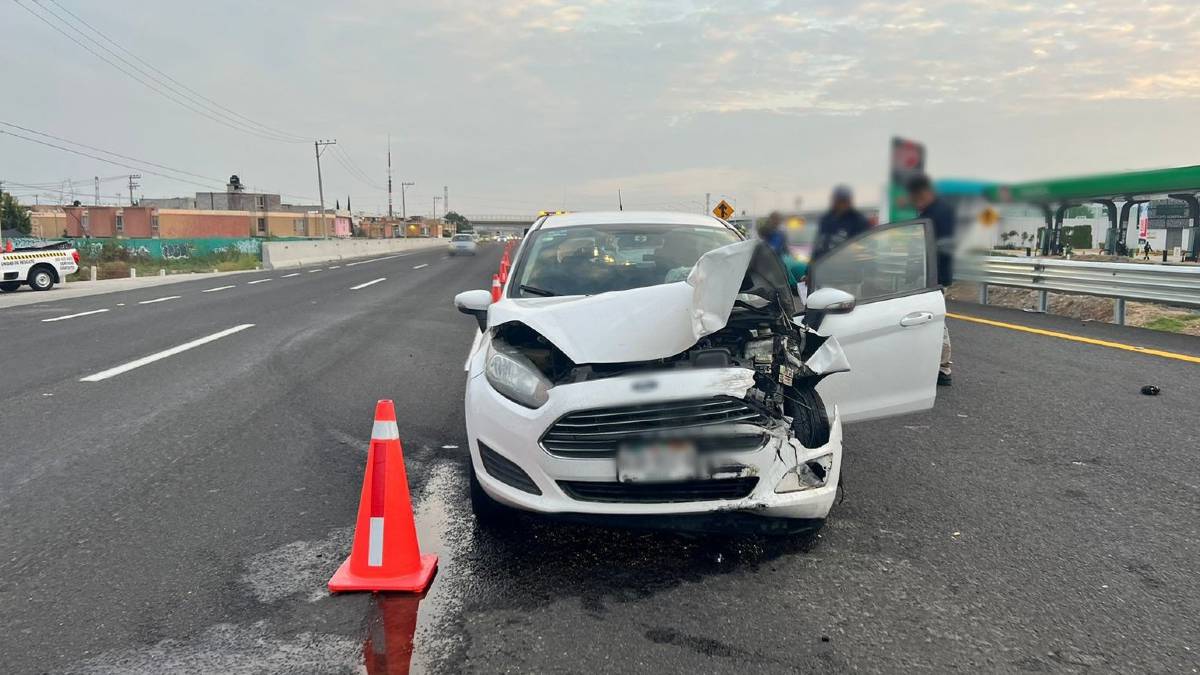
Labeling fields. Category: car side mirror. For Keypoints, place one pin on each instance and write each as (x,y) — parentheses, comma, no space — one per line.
(829,301)
(475,303)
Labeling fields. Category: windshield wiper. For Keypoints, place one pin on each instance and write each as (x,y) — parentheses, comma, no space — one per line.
(537,291)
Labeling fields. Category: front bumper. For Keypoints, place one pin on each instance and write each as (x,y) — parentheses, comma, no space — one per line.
(513,432)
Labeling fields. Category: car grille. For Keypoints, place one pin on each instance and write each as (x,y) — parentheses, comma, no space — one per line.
(659,493)
(598,432)
(506,471)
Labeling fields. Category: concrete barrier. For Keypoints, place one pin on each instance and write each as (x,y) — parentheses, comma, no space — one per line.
(280,254)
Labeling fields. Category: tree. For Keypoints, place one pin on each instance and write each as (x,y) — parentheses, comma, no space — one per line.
(460,223)
(13,216)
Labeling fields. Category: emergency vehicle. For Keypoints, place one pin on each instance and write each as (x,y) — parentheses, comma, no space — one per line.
(39,266)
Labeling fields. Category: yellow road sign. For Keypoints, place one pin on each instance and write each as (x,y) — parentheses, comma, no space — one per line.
(723,210)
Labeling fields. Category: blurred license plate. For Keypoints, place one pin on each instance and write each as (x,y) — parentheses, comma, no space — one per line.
(657,462)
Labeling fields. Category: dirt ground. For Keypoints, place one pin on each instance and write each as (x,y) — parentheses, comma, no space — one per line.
(1087,308)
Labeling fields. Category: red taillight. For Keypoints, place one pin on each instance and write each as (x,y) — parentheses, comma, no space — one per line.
(75,255)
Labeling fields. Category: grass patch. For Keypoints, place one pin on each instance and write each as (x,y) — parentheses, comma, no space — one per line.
(119,269)
(1176,323)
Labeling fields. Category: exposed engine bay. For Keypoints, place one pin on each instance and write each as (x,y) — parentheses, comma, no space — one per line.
(759,335)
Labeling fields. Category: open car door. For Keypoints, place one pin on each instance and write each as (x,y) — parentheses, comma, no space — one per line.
(893,336)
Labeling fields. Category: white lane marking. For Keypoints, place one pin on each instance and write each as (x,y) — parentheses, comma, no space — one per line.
(356,263)
(163,299)
(120,304)
(369,283)
(72,316)
(420,266)
(293,274)
(311,271)
(375,543)
(258,281)
(334,267)
(124,368)
(218,288)
(449,447)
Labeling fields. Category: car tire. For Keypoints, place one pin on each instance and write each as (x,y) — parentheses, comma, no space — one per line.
(810,422)
(488,512)
(9,286)
(41,278)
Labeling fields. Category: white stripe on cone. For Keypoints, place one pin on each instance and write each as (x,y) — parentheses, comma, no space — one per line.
(375,543)
(385,430)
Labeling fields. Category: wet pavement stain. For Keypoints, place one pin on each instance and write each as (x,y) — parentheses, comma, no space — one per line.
(391,626)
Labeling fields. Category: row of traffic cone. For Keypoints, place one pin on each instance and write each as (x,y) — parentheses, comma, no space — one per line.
(501,277)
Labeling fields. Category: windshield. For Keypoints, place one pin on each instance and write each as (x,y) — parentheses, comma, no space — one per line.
(601,258)
(461,237)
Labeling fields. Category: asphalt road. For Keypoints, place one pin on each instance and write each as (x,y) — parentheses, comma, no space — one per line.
(185,515)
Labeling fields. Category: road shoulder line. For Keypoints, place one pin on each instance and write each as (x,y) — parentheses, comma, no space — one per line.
(1076,338)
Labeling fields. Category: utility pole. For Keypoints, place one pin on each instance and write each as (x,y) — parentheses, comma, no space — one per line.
(403,206)
(620,203)
(97,180)
(435,201)
(445,199)
(707,201)
(133,178)
(389,177)
(318,147)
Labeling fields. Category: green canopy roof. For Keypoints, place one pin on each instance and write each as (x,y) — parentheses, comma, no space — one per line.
(1082,188)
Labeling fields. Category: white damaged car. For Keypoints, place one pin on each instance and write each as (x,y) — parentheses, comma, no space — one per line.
(657,368)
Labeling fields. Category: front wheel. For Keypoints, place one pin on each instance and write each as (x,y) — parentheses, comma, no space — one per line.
(41,279)
(810,422)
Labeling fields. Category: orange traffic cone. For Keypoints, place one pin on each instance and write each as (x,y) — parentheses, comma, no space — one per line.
(386,555)
(503,272)
(8,247)
(496,288)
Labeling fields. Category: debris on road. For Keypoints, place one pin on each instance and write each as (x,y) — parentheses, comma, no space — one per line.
(1151,390)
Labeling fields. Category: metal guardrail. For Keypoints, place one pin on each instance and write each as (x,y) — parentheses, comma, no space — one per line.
(1171,285)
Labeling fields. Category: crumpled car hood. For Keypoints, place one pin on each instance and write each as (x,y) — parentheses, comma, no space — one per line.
(640,324)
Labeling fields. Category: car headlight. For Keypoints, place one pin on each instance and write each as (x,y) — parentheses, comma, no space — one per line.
(807,475)
(515,377)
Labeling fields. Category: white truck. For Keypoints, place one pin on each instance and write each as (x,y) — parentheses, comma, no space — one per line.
(39,266)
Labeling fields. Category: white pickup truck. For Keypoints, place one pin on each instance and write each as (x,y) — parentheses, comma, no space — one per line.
(39,266)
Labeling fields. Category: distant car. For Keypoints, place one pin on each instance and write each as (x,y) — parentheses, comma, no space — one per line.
(657,365)
(462,243)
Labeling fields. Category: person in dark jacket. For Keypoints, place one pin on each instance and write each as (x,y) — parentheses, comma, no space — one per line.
(841,222)
(941,214)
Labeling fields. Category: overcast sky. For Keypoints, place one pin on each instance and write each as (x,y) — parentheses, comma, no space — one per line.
(519,105)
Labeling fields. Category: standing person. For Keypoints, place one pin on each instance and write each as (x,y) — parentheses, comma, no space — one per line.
(1146,251)
(930,205)
(841,222)
(770,231)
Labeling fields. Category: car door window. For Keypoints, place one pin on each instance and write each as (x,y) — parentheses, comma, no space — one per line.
(889,261)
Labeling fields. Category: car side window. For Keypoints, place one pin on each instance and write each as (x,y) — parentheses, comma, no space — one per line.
(891,260)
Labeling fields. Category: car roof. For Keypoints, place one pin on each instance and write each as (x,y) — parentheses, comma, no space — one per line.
(630,217)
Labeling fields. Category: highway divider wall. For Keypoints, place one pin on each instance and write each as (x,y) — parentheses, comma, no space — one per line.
(279,254)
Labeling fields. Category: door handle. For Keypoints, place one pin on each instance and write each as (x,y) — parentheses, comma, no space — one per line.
(916,319)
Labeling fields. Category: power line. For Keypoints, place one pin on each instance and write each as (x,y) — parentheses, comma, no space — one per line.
(297,138)
(169,94)
(352,169)
(103,159)
(140,166)
(107,152)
